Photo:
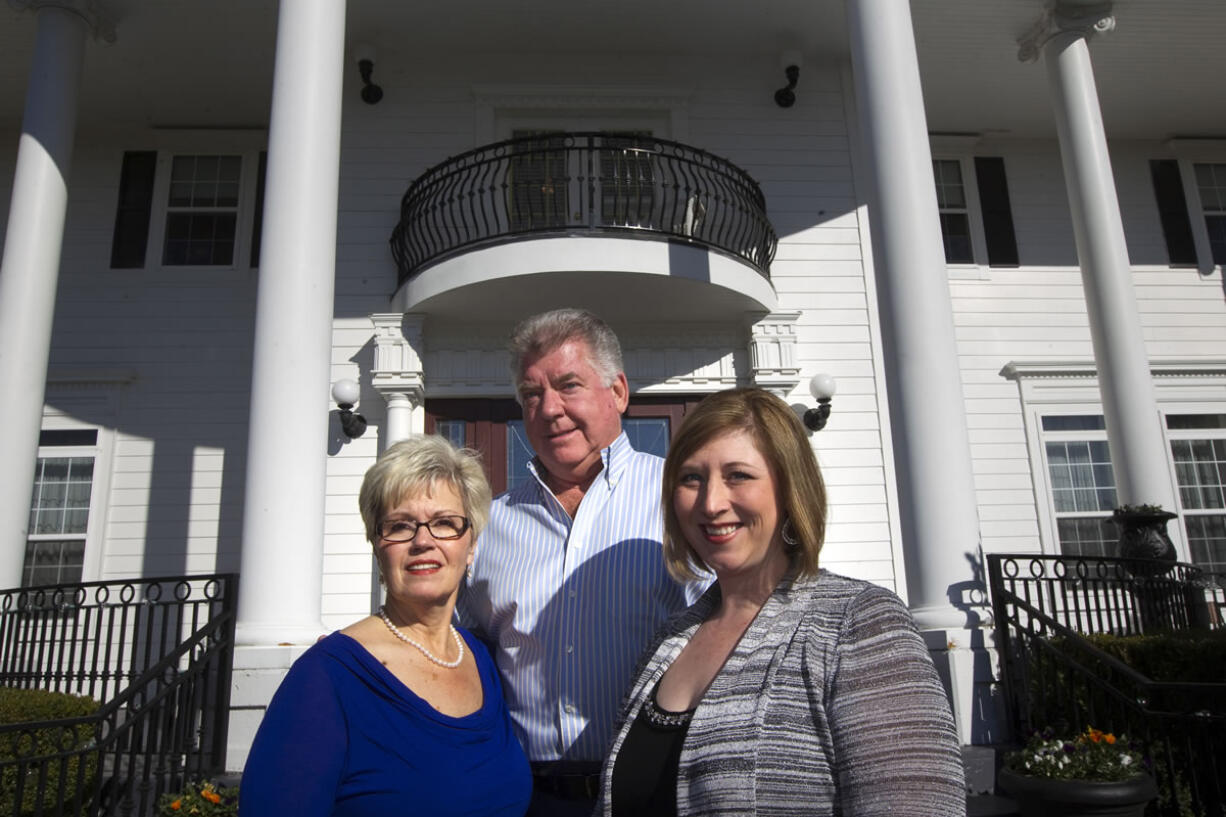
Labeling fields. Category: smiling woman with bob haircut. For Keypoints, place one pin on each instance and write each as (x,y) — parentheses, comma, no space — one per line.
(785,689)
(400,712)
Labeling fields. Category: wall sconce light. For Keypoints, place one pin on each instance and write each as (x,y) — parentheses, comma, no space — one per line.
(371,93)
(786,97)
(822,387)
(345,392)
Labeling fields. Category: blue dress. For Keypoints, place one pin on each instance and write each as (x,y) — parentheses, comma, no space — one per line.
(345,737)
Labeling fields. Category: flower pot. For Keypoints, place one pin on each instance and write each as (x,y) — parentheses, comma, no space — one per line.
(1047,797)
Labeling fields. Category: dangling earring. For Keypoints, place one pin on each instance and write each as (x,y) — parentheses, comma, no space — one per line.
(468,570)
(788,534)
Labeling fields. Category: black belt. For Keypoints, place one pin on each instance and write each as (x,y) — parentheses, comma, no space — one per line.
(569,781)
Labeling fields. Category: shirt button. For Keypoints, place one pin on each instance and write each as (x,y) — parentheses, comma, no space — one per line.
(573,593)
(570,709)
(570,648)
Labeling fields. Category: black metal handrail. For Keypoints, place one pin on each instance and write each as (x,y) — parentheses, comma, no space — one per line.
(581,184)
(165,669)
(1052,675)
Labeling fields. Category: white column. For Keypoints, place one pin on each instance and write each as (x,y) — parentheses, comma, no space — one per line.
(283,517)
(30,268)
(1130,406)
(940,526)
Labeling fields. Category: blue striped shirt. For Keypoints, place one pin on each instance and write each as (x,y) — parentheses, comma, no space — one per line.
(569,605)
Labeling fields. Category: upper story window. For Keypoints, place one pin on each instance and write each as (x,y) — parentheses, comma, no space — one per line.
(955,219)
(199,208)
(1190,192)
(976,217)
(1211,187)
(202,210)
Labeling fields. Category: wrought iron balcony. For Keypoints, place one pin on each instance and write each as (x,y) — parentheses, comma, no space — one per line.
(576,184)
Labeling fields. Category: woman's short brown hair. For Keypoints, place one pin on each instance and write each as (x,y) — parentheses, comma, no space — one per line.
(780,437)
(415,466)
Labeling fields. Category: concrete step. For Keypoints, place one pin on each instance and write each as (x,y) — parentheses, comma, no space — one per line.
(990,805)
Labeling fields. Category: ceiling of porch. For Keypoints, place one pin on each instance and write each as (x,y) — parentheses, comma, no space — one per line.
(190,61)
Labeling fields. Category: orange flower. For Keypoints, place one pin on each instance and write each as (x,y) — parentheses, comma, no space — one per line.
(1095,735)
(212,796)
(176,805)
(1109,738)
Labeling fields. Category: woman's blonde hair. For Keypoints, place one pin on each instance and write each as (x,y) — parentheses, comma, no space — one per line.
(780,437)
(415,466)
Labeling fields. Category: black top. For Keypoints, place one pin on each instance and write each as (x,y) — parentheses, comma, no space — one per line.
(645,773)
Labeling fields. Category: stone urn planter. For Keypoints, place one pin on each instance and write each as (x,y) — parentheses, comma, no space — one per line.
(1143,536)
(1048,797)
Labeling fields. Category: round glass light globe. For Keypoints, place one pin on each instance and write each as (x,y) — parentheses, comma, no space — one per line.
(822,386)
(345,391)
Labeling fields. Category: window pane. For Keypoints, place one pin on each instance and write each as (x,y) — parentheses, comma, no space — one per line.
(648,434)
(1216,227)
(60,502)
(1082,479)
(519,454)
(1207,541)
(53,562)
(454,431)
(956,233)
(1199,466)
(1193,421)
(1087,537)
(1073,422)
(948,175)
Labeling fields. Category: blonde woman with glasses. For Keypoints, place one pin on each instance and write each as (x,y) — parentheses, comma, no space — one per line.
(401,712)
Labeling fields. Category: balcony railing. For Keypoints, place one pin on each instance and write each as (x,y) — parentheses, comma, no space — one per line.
(575,184)
(156,653)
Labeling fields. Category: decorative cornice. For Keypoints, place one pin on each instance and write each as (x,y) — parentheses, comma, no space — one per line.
(1083,370)
(100,21)
(1061,16)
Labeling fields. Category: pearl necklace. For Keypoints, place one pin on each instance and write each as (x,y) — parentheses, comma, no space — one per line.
(454,634)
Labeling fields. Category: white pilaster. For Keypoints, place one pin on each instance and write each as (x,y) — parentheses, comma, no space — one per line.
(280,587)
(1134,431)
(398,373)
(940,527)
(29,271)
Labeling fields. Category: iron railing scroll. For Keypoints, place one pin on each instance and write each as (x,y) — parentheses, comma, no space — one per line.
(1053,676)
(571,184)
(156,653)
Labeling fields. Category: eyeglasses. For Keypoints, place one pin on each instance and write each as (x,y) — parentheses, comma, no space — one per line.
(441,527)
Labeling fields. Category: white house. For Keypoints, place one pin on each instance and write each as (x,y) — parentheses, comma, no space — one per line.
(1000,225)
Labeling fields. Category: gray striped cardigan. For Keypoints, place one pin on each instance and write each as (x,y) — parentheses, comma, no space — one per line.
(829,705)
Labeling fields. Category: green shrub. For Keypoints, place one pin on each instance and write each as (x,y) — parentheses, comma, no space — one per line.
(1186,655)
(23,752)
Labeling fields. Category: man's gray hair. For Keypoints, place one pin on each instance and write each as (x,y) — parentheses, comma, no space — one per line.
(540,334)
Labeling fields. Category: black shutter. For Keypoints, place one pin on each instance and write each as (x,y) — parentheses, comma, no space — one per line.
(997,215)
(1173,211)
(257,222)
(135,205)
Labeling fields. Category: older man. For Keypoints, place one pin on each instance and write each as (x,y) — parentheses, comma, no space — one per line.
(569,582)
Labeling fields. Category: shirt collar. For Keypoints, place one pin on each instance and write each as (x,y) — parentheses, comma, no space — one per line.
(613,460)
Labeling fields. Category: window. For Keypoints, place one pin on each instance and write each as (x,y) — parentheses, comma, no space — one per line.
(496,429)
(538,183)
(976,217)
(955,219)
(1211,187)
(1198,449)
(1190,193)
(60,507)
(1082,484)
(200,208)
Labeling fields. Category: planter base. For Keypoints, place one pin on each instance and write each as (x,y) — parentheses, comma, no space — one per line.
(1043,797)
